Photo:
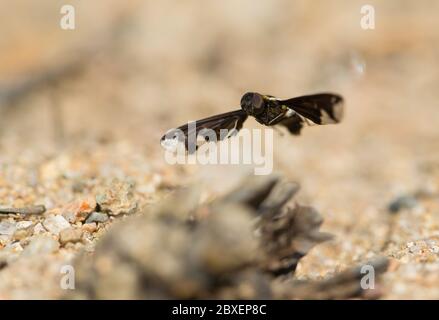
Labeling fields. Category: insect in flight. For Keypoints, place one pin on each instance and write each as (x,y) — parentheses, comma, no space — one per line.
(294,113)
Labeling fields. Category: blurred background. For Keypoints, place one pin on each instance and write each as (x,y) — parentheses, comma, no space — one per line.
(92,103)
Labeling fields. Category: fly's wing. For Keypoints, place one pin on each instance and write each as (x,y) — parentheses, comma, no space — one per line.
(294,124)
(323,108)
(230,121)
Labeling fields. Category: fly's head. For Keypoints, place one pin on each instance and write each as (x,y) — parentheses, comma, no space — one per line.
(252,103)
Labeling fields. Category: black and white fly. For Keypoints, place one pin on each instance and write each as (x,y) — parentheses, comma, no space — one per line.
(294,113)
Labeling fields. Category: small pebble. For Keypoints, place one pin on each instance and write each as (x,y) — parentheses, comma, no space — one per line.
(414,249)
(434,249)
(15,247)
(97,217)
(39,229)
(78,186)
(24,224)
(70,235)
(89,227)
(402,202)
(78,210)
(54,224)
(118,198)
(21,234)
(10,253)
(7,228)
(4,240)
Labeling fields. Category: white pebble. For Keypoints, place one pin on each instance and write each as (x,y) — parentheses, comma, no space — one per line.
(23,224)
(54,224)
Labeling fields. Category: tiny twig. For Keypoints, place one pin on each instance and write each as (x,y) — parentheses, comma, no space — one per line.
(39,209)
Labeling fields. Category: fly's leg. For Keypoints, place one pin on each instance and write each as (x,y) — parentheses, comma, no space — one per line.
(275,119)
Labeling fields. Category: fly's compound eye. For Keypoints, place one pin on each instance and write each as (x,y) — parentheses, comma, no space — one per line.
(252,102)
(257,101)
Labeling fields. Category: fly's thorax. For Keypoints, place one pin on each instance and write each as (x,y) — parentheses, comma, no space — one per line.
(273,112)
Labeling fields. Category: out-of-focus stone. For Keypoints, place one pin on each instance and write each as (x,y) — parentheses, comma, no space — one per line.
(24,224)
(97,217)
(118,198)
(39,229)
(221,252)
(10,253)
(7,228)
(15,247)
(41,245)
(79,210)
(174,251)
(21,234)
(24,229)
(4,240)
(403,202)
(89,227)
(70,235)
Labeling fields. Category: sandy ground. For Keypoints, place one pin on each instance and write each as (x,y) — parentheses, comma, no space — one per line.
(153,67)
